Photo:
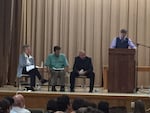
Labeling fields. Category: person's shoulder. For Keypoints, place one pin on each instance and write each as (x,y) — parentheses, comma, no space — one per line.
(19,110)
(117,38)
(77,57)
(51,55)
(12,111)
(62,55)
(26,110)
(22,55)
(88,57)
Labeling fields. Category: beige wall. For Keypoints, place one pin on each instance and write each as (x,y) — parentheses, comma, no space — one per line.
(85,24)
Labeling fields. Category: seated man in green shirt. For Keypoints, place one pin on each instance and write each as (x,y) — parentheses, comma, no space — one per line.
(58,64)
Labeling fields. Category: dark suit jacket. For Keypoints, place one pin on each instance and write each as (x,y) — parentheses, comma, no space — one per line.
(85,64)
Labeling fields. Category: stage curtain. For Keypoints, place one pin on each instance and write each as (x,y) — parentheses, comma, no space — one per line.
(85,24)
(10,39)
(74,25)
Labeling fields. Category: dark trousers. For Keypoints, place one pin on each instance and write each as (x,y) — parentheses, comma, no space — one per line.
(33,73)
(90,75)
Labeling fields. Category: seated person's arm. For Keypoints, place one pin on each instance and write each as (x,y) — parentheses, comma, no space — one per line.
(90,66)
(48,63)
(113,43)
(75,66)
(22,62)
(66,64)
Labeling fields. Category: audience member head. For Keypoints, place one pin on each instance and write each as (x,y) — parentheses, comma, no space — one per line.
(10,99)
(123,32)
(57,50)
(4,106)
(52,105)
(88,110)
(82,54)
(103,106)
(78,103)
(63,103)
(139,107)
(19,101)
(26,49)
(90,104)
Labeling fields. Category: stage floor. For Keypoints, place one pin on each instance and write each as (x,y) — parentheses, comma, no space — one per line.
(78,90)
(38,99)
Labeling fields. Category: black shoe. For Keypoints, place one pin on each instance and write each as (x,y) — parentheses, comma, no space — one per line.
(30,88)
(62,88)
(53,88)
(71,90)
(43,81)
(90,91)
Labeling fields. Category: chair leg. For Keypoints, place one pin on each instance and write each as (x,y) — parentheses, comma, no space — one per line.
(84,82)
(48,85)
(19,83)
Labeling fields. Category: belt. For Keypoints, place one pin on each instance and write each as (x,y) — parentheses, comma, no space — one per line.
(58,70)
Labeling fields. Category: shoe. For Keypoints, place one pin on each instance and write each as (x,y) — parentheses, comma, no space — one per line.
(71,90)
(30,88)
(43,81)
(53,88)
(90,91)
(62,88)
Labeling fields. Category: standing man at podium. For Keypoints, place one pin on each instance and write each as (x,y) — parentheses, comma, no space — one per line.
(122,41)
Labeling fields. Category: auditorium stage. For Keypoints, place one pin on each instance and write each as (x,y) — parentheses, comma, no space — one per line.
(38,99)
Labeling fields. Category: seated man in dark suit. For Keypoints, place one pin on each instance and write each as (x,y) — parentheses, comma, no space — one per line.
(82,66)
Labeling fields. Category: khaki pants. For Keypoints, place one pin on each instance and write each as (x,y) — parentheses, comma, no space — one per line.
(57,75)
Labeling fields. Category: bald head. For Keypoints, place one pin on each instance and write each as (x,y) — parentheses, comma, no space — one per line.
(82,54)
(19,101)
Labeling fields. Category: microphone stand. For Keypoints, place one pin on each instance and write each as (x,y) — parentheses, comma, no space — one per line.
(146,46)
(138,44)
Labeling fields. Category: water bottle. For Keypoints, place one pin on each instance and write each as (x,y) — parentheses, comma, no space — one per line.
(38,86)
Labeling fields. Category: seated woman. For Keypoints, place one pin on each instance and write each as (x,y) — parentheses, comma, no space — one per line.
(27,66)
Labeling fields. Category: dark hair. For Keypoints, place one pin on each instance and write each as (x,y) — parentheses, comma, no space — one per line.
(4,106)
(10,99)
(52,105)
(78,103)
(56,48)
(25,46)
(90,104)
(103,106)
(139,107)
(123,31)
(63,102)
(88,110)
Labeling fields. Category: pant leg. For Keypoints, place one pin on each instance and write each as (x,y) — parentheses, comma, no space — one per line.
(62,77)
(32,80)
(32,74)
(53,79)
(36,72)
(73,75)
(91,76)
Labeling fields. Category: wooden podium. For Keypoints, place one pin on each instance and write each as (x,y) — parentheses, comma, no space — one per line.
(121,74)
